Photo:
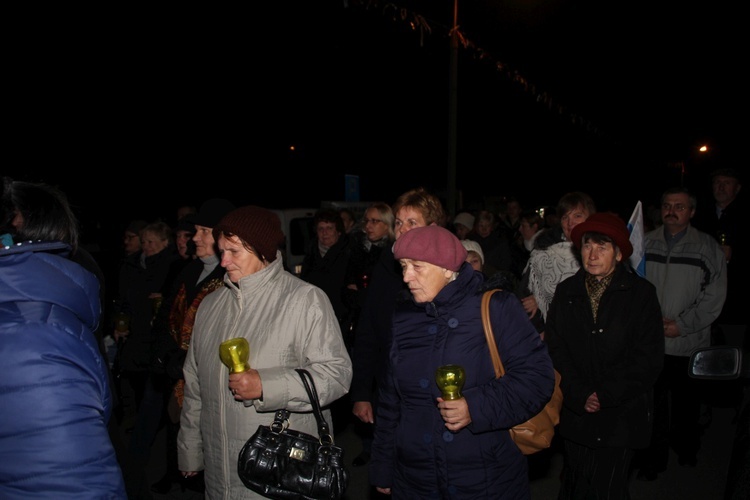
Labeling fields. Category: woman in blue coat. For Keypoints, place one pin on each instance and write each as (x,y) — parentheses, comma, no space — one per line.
(54,392)
(426,447)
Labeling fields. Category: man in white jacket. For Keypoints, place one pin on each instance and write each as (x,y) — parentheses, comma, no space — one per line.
(689,271)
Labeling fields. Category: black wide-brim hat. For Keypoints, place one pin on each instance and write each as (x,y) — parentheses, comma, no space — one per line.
(211,212)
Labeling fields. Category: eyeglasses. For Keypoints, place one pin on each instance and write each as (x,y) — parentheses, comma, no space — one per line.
(371,221)
(677,207)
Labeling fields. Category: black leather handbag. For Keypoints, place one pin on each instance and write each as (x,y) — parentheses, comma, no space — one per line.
(282,463)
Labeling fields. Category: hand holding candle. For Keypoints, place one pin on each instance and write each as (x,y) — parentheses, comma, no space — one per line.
(450,379)
(234,353)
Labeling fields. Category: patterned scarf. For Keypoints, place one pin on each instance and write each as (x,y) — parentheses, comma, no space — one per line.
(596,288)
(181,319)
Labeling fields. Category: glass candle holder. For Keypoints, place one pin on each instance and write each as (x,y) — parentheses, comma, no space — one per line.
(450,380)
(721,236)
(234,353)
(122,322)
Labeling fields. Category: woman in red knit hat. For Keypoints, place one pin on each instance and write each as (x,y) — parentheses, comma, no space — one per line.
(604,333)
(288,323)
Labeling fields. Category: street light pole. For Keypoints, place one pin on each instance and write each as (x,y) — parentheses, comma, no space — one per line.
(452,112)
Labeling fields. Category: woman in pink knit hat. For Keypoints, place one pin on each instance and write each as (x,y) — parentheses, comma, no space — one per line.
(426,446)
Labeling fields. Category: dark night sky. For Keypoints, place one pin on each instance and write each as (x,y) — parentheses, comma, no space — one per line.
(566,95)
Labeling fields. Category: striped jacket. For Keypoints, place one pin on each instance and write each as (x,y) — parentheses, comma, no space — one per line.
(691,282)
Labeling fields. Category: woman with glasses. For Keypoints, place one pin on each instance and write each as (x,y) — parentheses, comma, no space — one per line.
(377,233)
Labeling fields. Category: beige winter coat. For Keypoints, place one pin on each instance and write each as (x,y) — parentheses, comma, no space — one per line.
(289,324)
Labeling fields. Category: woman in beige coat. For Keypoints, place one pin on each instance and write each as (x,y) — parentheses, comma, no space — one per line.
(287,322)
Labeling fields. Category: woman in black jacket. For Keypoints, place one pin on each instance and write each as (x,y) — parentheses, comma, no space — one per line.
(605,336)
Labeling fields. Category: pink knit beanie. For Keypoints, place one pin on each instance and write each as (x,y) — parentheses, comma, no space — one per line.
(433,244)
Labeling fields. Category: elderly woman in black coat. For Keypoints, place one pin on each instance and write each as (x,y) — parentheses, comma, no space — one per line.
(605,335)
(428,447)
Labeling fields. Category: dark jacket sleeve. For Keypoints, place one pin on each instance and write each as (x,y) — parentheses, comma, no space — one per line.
(529,376)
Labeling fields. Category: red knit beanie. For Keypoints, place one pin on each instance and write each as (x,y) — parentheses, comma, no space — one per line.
(433,244)
(258,227)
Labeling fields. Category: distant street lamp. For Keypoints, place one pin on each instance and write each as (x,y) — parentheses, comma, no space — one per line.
(694,152)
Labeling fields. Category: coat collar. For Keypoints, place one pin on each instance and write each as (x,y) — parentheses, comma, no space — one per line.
(468,282)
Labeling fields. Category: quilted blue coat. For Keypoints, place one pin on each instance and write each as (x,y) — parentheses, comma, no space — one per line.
(413,453)
(55,401)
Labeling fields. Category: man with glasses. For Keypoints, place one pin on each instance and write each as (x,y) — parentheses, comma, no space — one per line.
(689,270)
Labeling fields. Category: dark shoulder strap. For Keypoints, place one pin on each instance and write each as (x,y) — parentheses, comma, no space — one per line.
(323,430)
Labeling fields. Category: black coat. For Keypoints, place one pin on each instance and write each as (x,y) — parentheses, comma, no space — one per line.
(732,227)
(136,284)
(169,324)
(329,272)
(372,338)
(618,356)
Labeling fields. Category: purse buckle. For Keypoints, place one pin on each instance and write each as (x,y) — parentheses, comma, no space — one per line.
(297,453)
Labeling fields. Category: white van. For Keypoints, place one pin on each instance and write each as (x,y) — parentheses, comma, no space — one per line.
(297,224)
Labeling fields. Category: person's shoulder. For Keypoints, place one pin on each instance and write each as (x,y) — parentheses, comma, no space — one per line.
(498,280)
(193,266)
(572,280)
(503,296)
(84,258)
(711,248)
(640,284)
(738,207)
(346,244)
(626,274)
(163,258)
(654,234)
(357,237)
(548,237)
(702,236)
(55,255)
(50,247)
(292,286)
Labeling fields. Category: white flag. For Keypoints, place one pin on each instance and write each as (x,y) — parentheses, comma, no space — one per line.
(635,226)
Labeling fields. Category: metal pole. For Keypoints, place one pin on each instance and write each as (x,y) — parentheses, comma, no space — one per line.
(452,112)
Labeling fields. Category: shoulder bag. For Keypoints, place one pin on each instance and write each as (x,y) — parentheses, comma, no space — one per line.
(536,433)
(282,463)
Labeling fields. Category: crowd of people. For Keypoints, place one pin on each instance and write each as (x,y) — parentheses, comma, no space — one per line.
(379,303)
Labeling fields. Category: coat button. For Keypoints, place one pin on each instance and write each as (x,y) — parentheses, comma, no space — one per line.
(424,383)
(453,322)
(448,436)
(432,330)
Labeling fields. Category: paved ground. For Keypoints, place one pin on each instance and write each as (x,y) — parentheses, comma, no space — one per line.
(703,482)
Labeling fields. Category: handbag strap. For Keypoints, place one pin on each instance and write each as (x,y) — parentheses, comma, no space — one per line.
(496,362)
(323,430)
